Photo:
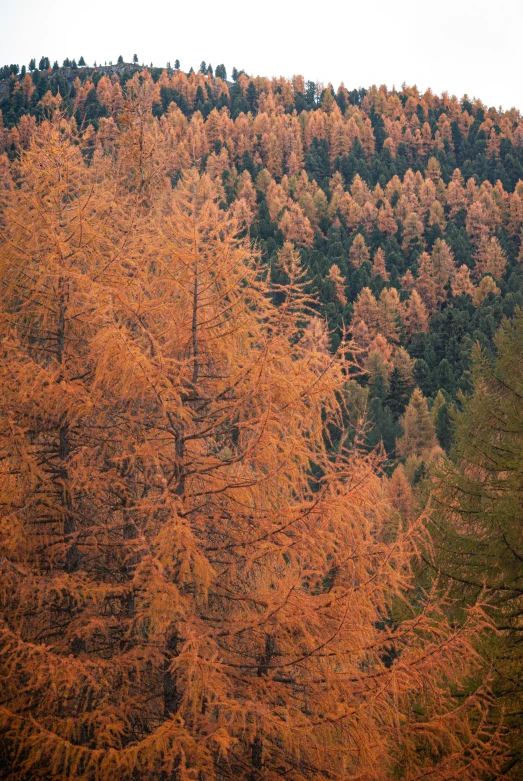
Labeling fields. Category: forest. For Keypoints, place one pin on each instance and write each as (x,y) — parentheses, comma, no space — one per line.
(261,440)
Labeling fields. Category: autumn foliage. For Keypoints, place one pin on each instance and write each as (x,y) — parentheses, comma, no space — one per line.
(200,578)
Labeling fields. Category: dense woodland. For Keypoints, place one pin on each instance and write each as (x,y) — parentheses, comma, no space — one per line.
(260,436)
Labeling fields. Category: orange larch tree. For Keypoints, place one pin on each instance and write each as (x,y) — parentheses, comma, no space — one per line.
(461,282)
(359,252)
(416,315)
(490,259)
(378,265)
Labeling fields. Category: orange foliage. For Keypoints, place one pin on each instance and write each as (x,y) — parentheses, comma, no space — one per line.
(192,587)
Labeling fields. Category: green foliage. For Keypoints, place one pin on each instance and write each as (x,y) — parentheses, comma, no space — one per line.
(444,427)
(479,532)
(398,396)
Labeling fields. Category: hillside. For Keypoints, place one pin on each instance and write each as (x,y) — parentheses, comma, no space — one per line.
(241,323)
(407,208)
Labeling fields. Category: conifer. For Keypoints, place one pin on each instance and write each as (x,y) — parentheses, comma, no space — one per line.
(419,434)
(359,252)
(479,535)
(338,283)
(485,287)
(378,265)
(416,315)
(490,259)
(425,282)
(461,283)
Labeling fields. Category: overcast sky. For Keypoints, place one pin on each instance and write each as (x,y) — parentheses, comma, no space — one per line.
(462,46)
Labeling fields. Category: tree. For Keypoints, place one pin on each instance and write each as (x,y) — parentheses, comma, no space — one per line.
(416,315)
(359,252)
(400,493)
(386,222)
(135,59)
(478,222)
(412,233)
(400,389)
(120,60)
(43,65)
(423,376)
(490,259)
(426,284)
(32,65)
(515,223)
(295,226)
(81,62)
(443,267)
(456,197)
(444,428)
(461,283)
(221,72)
(484,289)
(251,95)
(437,404)
(338,283)
(390,314)
(378,265)
(366,310)
(407,281)
(419,434)
(480,525)
(445,377)
(193,584)
(177,65)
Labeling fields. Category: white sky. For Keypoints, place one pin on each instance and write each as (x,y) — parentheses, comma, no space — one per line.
(461,46)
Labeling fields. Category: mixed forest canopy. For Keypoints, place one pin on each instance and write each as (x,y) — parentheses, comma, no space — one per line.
(406,208)
(191,267)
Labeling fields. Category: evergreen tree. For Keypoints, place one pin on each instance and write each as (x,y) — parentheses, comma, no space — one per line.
(480,494)
(444,427)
